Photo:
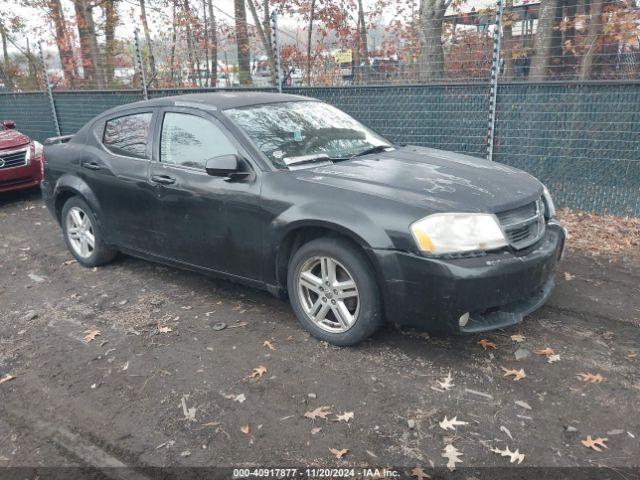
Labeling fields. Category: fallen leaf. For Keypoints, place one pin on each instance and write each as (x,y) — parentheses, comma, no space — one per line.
(517,374)
(545,351)
(522,404)
(447,383)
(590,377)
(7,378)
(419,473)
(164,329)
(320,412)
(568,276)
(487,344)
(240,398)
(515,456)
(91,334)
(553,358)
(631,355)
(451,424)
(452,454)
(506,431)
(245,429)
(595,444)
(339,453)
(189,413)
(518,338)
(258,372)
(268,344)
(316,430)
(344,417)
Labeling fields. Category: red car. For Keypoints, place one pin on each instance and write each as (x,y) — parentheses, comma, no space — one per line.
(21,159)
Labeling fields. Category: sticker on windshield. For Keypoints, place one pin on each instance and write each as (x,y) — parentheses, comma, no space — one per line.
(277,154)
(297,135)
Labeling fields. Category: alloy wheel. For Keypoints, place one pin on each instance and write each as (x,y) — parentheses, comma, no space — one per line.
(328,294)
(80,232)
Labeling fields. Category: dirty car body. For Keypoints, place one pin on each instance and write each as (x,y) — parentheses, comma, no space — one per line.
(20,159)
(431,239)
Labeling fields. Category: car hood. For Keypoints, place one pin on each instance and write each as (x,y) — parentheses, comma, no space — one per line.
(12,138)
(439,180)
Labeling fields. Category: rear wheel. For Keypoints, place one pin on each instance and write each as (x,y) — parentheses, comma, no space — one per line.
(333,291)
(82,235)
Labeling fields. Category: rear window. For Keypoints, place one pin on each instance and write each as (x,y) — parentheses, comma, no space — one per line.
(128,135)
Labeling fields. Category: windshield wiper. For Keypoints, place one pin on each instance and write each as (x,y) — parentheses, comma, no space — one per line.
(376,149)
(319,157)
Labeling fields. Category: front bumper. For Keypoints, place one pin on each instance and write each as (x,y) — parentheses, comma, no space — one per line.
(496,289)
(18,178)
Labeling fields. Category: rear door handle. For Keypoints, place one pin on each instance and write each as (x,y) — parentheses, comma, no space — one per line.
(91,165)
(163,179)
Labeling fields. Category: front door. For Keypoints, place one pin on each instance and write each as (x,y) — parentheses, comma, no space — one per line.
(200,219)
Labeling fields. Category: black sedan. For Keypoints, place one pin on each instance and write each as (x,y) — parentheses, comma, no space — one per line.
(289,194)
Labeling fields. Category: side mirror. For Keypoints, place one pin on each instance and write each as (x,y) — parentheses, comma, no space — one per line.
(9,124)
(223,165)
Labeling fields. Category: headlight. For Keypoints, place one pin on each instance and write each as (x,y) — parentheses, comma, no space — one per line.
(458,232)
(38,149)
(548,203)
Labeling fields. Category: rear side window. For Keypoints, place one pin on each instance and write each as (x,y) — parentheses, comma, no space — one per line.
(128,135)
(189,140)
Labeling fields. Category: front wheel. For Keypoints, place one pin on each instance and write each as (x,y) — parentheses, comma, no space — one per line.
(333,291)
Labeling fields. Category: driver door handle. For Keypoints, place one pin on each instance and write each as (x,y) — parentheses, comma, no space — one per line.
(163,179)
(91,165)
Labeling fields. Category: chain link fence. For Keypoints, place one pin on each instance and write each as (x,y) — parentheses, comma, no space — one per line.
(551,87)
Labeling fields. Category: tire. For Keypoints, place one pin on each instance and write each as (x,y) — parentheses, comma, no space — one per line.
(75,212)
(307,287)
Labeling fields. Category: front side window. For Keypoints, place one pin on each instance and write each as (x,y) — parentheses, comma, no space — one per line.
(294,129)
(189,140)
(128,135)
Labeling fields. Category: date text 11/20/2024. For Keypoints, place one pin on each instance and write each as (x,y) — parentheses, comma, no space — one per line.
(315,473)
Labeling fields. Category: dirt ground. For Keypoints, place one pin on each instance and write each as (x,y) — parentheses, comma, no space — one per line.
(163,385)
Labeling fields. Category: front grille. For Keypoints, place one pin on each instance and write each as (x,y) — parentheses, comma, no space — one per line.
(524,225)
(14,158)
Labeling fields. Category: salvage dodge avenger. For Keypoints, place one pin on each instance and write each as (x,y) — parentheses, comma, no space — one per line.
(289,194)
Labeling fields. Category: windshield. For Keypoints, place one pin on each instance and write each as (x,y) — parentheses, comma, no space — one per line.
(295,129)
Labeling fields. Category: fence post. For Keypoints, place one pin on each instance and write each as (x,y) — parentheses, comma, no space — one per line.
(47,87)
(276,45)
(140,64)
(495,71)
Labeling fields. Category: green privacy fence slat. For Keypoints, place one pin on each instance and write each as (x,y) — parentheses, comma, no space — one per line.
(30,111)
(581,139)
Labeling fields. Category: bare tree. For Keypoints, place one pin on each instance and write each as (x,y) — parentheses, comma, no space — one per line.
(88,42)
(309,38)
(364,48)
(214,44)
(431,67)
(63,43)
(590,43)
(508,19)
(147,39)
(266,45)
(242,39)
(110,21)
(544,39)
(190,53)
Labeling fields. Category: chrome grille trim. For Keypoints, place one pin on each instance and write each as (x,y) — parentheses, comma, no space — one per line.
(523,226)
(14,158)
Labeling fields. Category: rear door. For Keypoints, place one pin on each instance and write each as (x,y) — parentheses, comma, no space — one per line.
(199,219)
(116,170)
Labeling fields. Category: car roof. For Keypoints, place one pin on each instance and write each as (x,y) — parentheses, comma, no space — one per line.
(218,100)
